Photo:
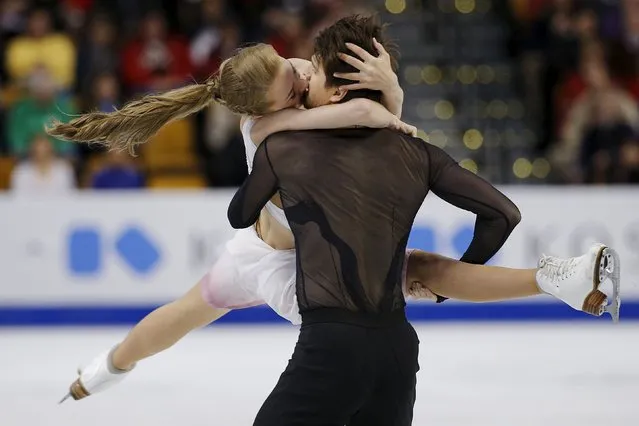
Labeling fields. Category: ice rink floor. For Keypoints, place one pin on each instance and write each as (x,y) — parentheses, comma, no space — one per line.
(471,375)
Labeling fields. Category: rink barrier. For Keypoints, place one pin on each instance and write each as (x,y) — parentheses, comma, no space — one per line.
(105,259)
(38,316)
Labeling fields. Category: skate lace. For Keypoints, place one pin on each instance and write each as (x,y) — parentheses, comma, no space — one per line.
(557,269)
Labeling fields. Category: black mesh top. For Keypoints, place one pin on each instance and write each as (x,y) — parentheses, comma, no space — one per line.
(350,197)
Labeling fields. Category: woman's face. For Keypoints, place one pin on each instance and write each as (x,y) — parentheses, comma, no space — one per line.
(290,85)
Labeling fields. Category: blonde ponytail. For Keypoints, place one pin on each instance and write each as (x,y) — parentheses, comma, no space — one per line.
(241,85)
(137,121)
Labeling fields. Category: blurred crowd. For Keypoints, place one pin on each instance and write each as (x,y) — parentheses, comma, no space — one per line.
(63,57)
(579,63)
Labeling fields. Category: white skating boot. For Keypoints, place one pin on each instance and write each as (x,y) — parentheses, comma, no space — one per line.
(576,280)
(97,376)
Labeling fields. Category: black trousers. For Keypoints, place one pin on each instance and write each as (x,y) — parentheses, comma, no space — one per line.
(347,370)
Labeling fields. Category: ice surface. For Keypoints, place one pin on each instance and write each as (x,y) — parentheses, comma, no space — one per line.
(471,375)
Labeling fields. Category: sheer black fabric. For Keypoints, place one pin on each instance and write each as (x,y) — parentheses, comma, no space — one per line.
(350,197)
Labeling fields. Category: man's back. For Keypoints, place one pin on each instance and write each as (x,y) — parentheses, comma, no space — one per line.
(350,197)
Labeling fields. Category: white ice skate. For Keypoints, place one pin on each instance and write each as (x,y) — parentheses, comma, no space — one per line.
(577,280)
(97,376)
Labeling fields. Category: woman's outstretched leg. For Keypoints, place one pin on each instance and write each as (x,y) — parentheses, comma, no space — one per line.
(164,327)
(463,281)
(575,281)
(157,332)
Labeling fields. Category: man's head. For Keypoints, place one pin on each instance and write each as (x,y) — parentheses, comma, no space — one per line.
(324,86)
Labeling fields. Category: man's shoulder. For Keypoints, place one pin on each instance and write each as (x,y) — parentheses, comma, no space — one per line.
(313,134)
(283,137)
(284,143)
(287,134)
(294,137)
(364,133)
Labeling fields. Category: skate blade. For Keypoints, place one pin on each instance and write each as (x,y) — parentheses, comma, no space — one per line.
(607,267)
(67,396)
(76,391)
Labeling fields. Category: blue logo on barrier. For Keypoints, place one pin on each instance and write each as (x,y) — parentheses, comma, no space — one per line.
(426,238)
(422,238)
(132,245)
(137,250)
(85,251)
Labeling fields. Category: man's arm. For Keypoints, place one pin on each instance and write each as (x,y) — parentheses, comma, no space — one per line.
(497,216)
(257,189)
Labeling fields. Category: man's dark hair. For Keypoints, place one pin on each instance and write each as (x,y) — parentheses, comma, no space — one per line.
(356,29)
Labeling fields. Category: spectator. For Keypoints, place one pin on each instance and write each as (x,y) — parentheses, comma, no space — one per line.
(119,172)
(29,115)
(106,93)
(42,173)
(41,47)
(104,97)
(217,128)
(603,138)
(208,38)
(74,13)
(628,170)
(98,53)
(610,20)
(214,41)
(155,61)
(599,121)
(12,17)
(630,13)
(251,13)
(3,146)
(585,25)
(560,44)
(575,83)
(287,33)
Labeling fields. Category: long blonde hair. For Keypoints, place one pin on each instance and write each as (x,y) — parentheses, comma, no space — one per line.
(241,84)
